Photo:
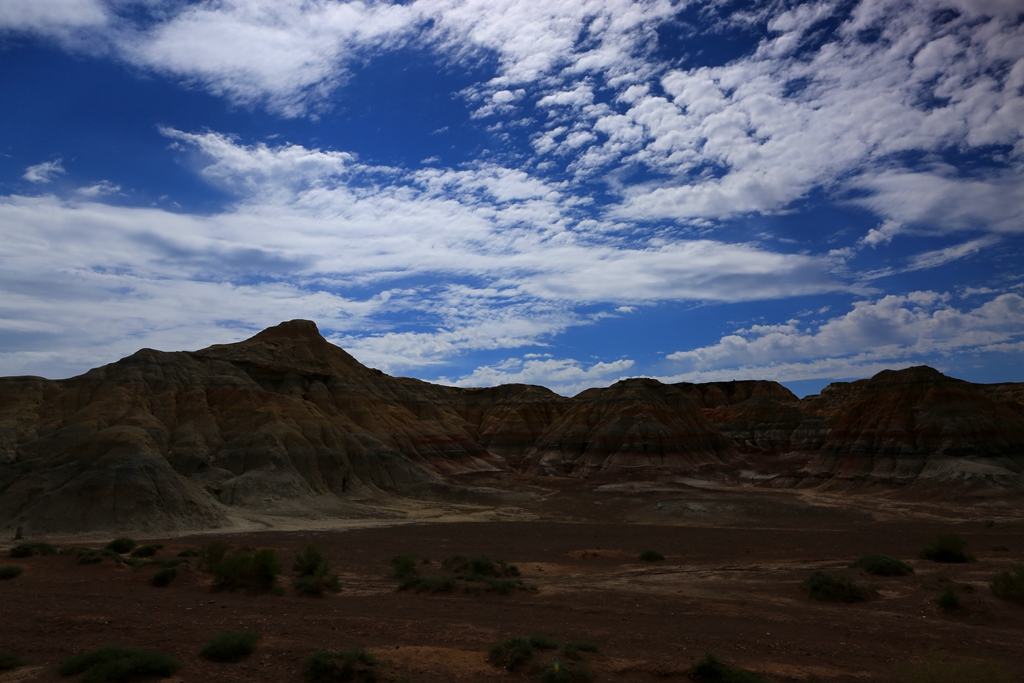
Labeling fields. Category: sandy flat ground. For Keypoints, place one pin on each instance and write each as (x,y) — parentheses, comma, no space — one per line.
(730,582)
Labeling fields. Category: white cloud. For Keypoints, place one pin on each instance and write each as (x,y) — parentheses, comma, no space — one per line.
(933,259)
(306,48)
(940,203)
(44,172)
(101,188)
(781,122)
(288,54)
(881,235)
(51,17)
(565,376)
(888,332)
(517,256)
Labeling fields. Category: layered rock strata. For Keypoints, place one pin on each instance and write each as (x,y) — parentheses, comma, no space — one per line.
(287,422)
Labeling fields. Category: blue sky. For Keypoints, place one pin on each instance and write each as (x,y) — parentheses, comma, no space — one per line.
(477,192)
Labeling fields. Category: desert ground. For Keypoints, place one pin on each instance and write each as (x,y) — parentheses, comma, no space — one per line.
(730,581)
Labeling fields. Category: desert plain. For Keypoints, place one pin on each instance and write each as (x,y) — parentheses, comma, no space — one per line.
(730,581)
(741,491)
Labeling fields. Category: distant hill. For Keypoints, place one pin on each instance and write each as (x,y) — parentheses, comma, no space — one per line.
(286,422)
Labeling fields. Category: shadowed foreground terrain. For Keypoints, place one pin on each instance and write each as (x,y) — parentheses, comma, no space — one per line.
(730,582)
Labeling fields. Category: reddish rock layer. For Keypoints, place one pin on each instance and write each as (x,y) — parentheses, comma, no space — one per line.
(633,424)
(286,421)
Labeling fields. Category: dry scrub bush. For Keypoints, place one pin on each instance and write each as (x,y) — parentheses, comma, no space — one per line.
(882,565)
(1009,584)
(113,663)
(347,665)
(939,669)
(10,572)
(948,548)
(230,647)
(560,673)
(121,545)
(315,574)
(29,549)
(164,577)
(256,571)
(710,669)
(835,587)
(9,660)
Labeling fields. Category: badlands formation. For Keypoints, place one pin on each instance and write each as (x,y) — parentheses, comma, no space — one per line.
(287,423)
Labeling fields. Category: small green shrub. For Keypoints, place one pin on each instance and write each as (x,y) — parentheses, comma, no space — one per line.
(307,562)
(113,663)
(315,574)
(9,660)
(212,554)
(710,669)
(480,566)
(230,647)
(511,652)
(258,571)
(479,573)
(404,566)
(189,552)
(121,545)
(651,556)
(94,555)
(947,548)
(572,649)
(939,669)
(560,673)
(164,577)
(348,665)
(1000,548)
(949,600)
(440,584)
(834,587)
(168,563)
(883,565)
(314,585)
(146,550)
(29,549)
(10,571)
(89,557)
(542,643)
(1009,584)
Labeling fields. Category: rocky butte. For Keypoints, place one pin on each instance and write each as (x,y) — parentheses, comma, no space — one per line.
(289,423)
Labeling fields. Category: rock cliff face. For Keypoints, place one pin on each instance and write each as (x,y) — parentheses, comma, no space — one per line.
(909,425)
(287,422)
(635,424)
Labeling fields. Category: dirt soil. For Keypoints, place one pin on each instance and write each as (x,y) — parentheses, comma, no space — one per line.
(730,582)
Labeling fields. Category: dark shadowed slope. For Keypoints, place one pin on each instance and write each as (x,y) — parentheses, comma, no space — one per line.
(288,423)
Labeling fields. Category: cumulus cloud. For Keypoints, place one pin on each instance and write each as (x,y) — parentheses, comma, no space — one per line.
(44,172)
(802,112)
(517,256)
(565,376)
(305,49)
(887,332)
(744,137)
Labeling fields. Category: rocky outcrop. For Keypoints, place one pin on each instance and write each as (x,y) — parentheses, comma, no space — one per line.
(635,424)
(282,421)
(904,426)
(286,422)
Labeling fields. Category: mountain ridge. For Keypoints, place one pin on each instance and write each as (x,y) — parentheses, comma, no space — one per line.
(286,422)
